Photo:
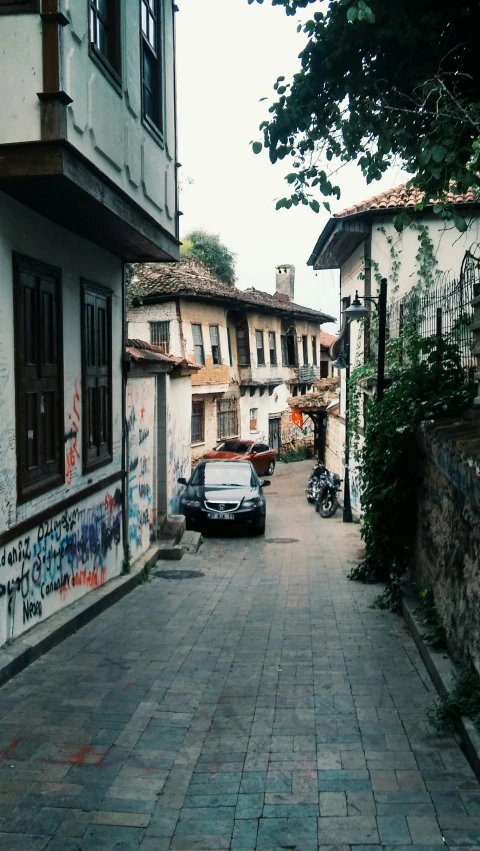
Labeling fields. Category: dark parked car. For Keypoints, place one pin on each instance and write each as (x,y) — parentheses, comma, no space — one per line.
(224,492)
(262,457)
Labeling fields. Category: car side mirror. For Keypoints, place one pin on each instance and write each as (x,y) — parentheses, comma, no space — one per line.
(265,483)
(182,481)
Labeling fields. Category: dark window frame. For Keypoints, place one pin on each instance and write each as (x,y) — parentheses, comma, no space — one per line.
(151,57)
(216,356)
(200,413)
(198,345)
(305,349)
(109,62)
(100,453)
(39,377)
(18,7)
(272,338)
(324,368)
(243,350)
(314,350)
(260,349)
(230,353)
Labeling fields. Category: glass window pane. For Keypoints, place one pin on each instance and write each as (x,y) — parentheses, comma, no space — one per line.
(144,19)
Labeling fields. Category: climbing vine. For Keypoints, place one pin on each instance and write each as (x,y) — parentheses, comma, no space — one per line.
(425,381)
(427,384)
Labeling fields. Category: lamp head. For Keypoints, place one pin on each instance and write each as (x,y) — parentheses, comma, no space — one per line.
(357,310)
(340,362)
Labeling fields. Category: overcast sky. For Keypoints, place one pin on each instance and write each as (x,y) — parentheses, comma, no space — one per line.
(229,54)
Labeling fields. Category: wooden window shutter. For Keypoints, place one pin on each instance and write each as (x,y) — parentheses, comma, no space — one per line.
(97,377)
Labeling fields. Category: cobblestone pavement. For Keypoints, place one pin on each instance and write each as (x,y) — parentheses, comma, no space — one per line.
(263,705)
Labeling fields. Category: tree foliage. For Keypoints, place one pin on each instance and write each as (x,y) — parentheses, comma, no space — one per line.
(380,81)
(214,254)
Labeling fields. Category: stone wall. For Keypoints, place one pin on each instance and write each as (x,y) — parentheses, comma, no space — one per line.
(447,552)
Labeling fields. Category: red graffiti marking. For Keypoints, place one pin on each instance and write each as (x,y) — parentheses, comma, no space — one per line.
(109,503)
(142,412)
(73,455)
(92,578)
(11,747)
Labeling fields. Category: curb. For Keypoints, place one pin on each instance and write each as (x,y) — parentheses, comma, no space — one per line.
(441,671)
(22,651)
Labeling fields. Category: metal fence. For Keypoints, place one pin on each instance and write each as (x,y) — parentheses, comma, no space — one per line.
(443,311)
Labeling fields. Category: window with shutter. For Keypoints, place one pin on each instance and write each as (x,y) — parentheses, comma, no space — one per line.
(38,377)
(97,375)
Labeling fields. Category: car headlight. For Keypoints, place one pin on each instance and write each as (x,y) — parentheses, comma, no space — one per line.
(191,503)
(250,503)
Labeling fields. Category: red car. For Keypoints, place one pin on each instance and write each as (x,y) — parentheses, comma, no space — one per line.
(259,454)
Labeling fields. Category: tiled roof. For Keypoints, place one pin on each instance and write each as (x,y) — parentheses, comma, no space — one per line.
(190,279)
(401,197)
(140,350)
(327,339)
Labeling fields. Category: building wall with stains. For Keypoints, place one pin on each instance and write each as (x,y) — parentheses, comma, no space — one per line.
(179,421)
(139,327)
(141,463)
(83,537)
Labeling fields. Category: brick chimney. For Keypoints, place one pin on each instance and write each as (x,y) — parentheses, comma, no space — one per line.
(285,281)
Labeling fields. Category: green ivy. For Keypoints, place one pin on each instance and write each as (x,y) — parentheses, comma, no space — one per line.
(426,383)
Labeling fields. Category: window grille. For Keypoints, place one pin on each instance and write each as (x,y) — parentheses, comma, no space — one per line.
(198,422)
(160,335)
(227,417)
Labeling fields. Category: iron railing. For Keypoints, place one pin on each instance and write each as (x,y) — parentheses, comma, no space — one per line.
(443,311)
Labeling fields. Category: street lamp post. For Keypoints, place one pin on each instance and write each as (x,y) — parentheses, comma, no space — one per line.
(343,362)
(358,311)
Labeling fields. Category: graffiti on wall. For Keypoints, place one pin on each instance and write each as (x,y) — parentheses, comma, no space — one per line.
(58,561)
(72,453)
(7,445)
(178,450)
(140,413)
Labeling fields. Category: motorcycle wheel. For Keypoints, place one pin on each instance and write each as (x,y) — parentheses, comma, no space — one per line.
(328,506)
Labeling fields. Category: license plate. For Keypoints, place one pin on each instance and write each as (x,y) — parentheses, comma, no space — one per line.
(214,515)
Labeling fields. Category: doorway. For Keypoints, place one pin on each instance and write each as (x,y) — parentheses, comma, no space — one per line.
(274,433)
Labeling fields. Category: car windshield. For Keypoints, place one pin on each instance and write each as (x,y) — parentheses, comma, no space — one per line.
(224,475)
(234,446)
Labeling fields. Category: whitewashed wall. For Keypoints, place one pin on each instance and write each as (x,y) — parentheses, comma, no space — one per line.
(139,318)
(266,405)
(24,231)
(59,561)
(179,421)
(106,126)
(141,464)
(21,53)
(30,234)
(449,247)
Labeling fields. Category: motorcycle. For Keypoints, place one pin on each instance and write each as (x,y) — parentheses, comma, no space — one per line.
(326,501)
(312,486)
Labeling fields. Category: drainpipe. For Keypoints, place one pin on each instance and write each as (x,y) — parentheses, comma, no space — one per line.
(124,416)
(367,263)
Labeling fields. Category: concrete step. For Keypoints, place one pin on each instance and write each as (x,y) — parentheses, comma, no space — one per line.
(191,541)
(173,526)
(169,550)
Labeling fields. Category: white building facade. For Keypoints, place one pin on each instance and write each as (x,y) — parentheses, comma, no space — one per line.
(87,182)
(364,245)
(254,350)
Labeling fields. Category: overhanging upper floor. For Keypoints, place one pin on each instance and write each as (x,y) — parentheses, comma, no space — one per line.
(54,179)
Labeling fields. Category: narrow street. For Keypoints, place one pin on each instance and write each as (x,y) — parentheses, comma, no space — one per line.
(263,705)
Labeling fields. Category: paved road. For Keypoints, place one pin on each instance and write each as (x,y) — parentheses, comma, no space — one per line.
(263,705)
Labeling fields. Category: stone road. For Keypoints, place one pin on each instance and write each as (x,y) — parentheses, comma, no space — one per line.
(263,705)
